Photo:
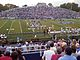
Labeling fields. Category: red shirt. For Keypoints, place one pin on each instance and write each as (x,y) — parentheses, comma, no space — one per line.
(55,57)
(5,58)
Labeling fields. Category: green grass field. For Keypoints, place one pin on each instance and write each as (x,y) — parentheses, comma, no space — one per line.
(21,28)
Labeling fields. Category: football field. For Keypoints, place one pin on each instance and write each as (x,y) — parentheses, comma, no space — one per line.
(24,29)
(13,26)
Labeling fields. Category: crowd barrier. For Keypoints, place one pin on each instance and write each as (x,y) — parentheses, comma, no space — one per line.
(29,52)
(33,55)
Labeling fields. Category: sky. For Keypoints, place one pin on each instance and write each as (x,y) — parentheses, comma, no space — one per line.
(34,2)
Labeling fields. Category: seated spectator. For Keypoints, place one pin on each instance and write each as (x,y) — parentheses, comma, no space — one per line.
(68,55)
(56,56)
(6,57)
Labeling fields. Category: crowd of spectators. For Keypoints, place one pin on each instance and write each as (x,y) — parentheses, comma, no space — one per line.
(53,50)
(15,55)
(62,50)
(40,11)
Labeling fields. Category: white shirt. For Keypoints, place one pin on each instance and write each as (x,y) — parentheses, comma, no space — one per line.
(54,49)
(48,54)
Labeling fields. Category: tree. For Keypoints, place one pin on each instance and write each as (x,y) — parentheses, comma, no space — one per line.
(69,6)
(10,6)
(24,5)
(50,4)
(72,6)
(63,5)
(5,8)
(75,7)
(1,7)
(79,9)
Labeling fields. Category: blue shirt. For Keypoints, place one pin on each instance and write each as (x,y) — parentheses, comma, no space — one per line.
(78,49)
(67,57)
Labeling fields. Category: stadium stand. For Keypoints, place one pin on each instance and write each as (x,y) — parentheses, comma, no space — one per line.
(33,51)
(40,11)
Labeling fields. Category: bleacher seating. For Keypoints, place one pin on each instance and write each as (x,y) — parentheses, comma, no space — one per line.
(42,11)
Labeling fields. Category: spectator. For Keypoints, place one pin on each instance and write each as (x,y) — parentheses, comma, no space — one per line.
(1,54)
(6,57)
(38,12)
(74,51)
(53,47)
(63,43)
(14,55)
(56,56)
(78,48)
(78,57)
(20,57)
(48,53)
(78,51)
(63,50)
(68,55)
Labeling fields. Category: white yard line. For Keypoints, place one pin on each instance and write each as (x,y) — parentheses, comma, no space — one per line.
(3,24)
(20,26)
(26,24)
(10,27)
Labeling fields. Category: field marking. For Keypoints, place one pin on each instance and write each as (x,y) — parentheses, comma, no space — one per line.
(3,24)
(20,26)
(10,27)
(26,25)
